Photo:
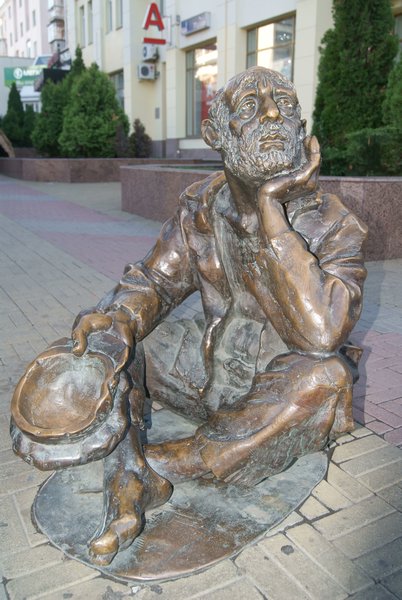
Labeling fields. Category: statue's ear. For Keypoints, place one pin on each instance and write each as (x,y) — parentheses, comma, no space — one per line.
(210,134)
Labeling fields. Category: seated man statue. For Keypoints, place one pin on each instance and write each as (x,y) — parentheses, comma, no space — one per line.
(267,372)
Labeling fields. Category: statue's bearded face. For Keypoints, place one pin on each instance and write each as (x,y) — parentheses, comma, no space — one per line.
(261,133)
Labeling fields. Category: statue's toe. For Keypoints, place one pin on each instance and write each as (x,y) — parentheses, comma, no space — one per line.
(119,535)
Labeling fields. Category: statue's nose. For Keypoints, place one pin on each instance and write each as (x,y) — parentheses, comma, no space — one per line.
(270,110)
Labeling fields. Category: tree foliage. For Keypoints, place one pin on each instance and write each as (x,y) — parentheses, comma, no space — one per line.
(54,98)
(356,58)
(92,117)
(139,141)
(13,121)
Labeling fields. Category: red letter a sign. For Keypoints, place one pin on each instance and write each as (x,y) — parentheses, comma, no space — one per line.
(153,17)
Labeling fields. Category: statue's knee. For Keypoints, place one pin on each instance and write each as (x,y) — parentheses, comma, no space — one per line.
(332,371)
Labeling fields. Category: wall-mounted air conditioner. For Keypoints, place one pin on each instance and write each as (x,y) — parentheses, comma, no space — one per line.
(146,71)
(149,52)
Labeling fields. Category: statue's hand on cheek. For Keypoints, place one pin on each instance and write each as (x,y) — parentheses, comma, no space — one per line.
(297,183)
(283,188)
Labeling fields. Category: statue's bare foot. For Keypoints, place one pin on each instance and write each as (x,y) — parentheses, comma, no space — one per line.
(128,494)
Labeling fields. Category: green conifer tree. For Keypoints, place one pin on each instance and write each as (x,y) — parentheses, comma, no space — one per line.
(356,58)
(13,121)
(92,117)
(54,98)
(139,141)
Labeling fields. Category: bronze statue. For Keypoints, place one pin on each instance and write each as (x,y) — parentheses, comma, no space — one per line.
(267,373)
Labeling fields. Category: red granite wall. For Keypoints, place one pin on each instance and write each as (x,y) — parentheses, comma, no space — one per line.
(153,192)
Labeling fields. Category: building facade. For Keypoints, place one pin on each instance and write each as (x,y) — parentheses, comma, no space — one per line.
(168,81)
(167,58)
(23,28)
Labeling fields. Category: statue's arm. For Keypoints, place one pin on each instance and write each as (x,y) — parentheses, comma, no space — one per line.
(146,293)
(313,300)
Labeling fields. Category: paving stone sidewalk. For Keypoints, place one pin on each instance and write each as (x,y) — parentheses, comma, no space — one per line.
(62,246)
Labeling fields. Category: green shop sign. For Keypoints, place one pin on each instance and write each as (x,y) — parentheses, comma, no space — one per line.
(22,75)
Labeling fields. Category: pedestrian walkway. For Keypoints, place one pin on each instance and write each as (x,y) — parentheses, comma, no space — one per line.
(62,246)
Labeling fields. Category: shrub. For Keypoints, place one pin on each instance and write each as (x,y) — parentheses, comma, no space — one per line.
(140,142)
(92,117)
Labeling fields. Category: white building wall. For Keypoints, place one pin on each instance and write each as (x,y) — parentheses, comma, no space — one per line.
(23,36)
(161,104)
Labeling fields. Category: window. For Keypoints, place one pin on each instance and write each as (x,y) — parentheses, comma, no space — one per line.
(35,49)
(82,25)
(272,46)
(118,82)
(119,13)
(28,48)
(90,24)
(201,78)
(33,18)
(109,15)
(11,39)
(21,29)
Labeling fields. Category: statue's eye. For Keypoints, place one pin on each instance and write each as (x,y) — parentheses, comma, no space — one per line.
(286,105)
(247,108)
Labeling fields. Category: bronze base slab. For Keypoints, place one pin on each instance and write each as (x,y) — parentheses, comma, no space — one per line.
(204,521)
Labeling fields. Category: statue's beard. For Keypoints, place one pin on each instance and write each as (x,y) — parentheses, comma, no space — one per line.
(247,160)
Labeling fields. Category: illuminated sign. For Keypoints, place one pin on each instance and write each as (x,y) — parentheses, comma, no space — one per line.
(195,24)
(153,18)
(22,75)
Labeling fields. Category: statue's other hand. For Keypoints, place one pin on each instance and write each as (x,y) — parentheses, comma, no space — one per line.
(116,322)
(303,181)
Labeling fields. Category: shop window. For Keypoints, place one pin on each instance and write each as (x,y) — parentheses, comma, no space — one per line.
(118,82)
(201,79)
(272,46)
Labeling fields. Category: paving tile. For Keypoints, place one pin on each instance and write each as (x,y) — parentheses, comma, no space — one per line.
(51,579)
(346,485)
(393,583)
(12,538)
(293,519)
(357,448)
(29,561)
(382,478)
(379,427)
(393,495)
(23,503)
(219,576)
(312,578)
(394,437)
(372,536)
(94,589)
(240,589)
(382,415)
(377,592)
(383,561)
(331,560)
(394,406)
(312,509)
(360,432)
(353,517)
(374,460)
(330,496)
(268,576)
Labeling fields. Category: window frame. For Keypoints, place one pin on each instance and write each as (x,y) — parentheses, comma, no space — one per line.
(252,53)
